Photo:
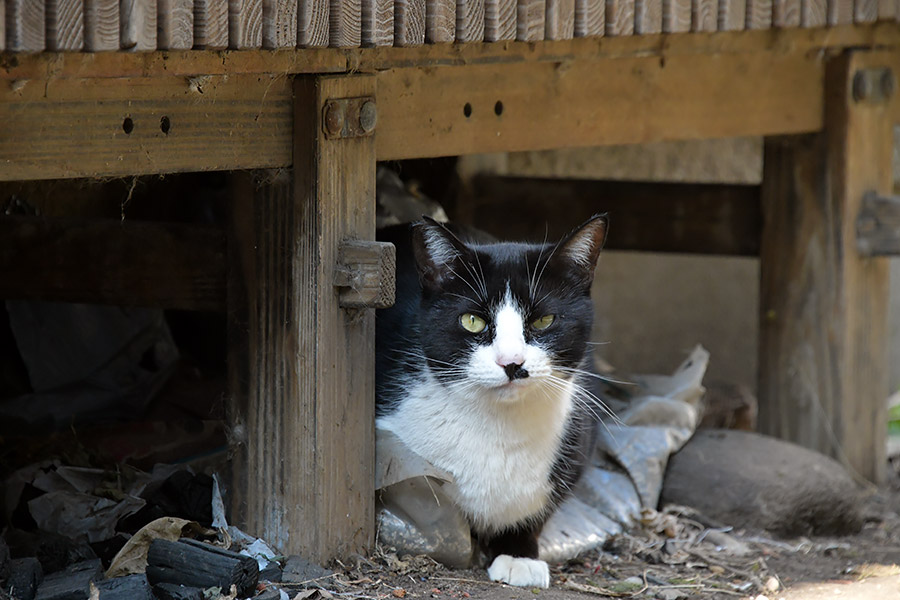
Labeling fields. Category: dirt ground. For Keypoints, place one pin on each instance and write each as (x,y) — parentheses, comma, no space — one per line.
(672,556)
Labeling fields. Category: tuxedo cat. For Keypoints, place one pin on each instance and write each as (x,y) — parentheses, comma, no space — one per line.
(481,369)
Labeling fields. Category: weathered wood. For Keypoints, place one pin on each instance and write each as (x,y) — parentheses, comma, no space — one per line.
(108,262)
(590,18)
(440,20)
(759,14)
(865,11)
(647,16)
(137,21)
(175,25)
(26,575)
(888,10)
(195,564)
(211,24)
(704,15)
(409,22)
(78,128)
(676,16)
(130,587)
(101,25)
(840,12)
(65,24)
(560,20)
(619,17)
(651,217)
(813,13)
(313,25)
(245,24)
(25,31)
(365,274)
(345,23)
(878,225)
(3,28)
(786,13)
(823,306)
(499,20)
(470,20)
(378,22)
(279,24)
(530,16)
(283,250)
(732,15)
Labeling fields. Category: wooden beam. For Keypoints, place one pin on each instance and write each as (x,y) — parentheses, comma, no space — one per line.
(823,306)
(109,262)
(878,225)
(301,407)
(650,217)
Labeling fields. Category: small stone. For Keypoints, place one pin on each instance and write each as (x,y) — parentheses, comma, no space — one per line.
(399,593)
(772,585)
(716,570)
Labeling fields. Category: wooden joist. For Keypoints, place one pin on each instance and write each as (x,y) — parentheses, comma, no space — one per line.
(878,225)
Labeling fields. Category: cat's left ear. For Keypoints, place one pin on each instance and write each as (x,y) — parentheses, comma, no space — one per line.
(582,247)
(437,251)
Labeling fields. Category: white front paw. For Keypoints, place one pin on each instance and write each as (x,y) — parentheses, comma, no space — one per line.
(524,572)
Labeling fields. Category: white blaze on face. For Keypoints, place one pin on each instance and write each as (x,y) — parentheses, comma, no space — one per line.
(509,336)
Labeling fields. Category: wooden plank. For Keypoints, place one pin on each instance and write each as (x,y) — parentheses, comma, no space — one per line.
(345,24)
(560,20)
(409,22)
(137,21)
(279,24)
(65,25)
(175,24)
(878,225)
(647,16)
(676,16)
(378,22)
(313,24)
(105,261)
(649,217)
(78,128)
(840,12)
(530,17)
(3,28)
(786,13)
(304,468)
(211,24)
(25,30)
(823,306)
(470,20)
(704,15)
(619,17)
(813,13)
(101,25)
(759,14)
(732,15)
(245,24)
(422,111)
(865,11)
(500,20)
(888,10)
(440,20)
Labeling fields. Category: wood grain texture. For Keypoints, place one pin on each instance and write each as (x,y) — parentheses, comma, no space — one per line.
(878,225)
(590,18)
(732,15)
(840,12)
(619,17)
(440,21)
(823,306)
(211,24)
(469,20)
(105,261)
(759,14)
(865,11)
(65,25)
(345,24)
(101,25)
(313,25)
(175,25)
(704,15)
(279,24)
(530,16)
(560,20)
(786,13)
(887,10)
(813,13)
(378,22)
(25,30)
(647,16)
(137,20)
(499,20)
(409,22)
(3,27)
(245,24)
(676,16)
(77,128)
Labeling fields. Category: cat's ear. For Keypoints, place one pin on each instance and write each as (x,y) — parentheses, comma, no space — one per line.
(436,250)
(581,248)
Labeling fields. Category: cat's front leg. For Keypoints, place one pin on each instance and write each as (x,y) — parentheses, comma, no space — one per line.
(514,560)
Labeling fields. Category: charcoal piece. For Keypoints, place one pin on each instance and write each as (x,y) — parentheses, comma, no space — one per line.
(4,560)
(268,594)
(107,549)
(196,564)
(182,494)
(272,573)
(25,576)
(55,551)
(72,583)
(174,591)
(299,570)
(130,587)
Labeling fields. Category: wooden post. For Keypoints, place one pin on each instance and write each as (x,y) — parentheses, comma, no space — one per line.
(823,348)
(301,369)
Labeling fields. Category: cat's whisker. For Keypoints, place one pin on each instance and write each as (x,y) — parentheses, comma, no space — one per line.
(586,373)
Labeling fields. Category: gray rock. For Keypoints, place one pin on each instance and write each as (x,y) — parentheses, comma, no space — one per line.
(299,570)
(752,481)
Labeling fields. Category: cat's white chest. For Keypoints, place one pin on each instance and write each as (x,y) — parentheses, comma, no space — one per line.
(500,454)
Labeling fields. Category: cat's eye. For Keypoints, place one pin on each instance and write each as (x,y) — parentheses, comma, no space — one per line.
(543,322)
(472,323)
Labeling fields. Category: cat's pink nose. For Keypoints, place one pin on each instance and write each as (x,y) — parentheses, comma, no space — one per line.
(504,360)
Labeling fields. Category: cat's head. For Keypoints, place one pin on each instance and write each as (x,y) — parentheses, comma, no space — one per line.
(505,316)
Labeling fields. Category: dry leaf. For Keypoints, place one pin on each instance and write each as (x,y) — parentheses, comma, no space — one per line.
(132,558)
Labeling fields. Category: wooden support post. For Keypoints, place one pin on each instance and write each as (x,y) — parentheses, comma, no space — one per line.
(301,368)
(823,350)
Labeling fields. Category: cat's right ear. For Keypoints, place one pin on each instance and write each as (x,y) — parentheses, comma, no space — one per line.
(436,250)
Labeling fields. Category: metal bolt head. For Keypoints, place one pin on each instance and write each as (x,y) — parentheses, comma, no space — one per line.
(334,118)
(863,86)
(368,116)
(888,83)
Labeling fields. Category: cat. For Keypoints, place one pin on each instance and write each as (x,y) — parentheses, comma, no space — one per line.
(481,369)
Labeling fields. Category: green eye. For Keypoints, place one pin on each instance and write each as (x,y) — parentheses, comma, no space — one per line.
(472,323)
(543,322)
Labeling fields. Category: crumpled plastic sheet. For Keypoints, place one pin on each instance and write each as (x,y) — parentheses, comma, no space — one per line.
(416,516)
